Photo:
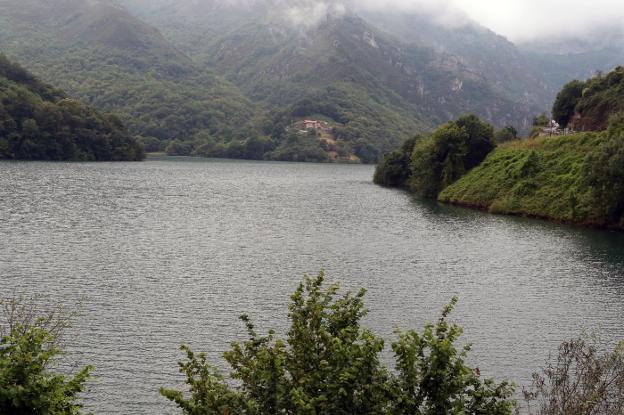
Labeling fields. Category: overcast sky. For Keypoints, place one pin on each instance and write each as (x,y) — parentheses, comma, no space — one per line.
(526,19)
(518,20)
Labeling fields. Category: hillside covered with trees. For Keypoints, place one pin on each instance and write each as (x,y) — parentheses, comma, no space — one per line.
(429,164)
(227,80)
(381,87)
(102,55)
(575,178)
(588,105)
(39,122)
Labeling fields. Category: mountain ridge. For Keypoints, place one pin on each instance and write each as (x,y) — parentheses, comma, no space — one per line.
(101,54)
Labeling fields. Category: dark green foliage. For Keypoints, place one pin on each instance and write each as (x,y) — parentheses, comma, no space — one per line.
(178,148)
(453,149)
(298,147)
(38,122)
(507,133)
(150,144)
(425,168)
(439,160)
(394,168)
(26,386)
(603,172)
(566,102)
(541,120)
(594,100)
(28,347)
(252,148)
(328,364)
(433,378)
(479,140)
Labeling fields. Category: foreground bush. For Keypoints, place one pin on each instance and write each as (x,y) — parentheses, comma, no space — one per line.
(329,364)
(29,345)
(579,381)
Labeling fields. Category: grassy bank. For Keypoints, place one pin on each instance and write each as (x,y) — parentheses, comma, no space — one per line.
(544,177)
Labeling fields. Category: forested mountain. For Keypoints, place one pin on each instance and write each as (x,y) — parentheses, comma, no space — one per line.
(275,64)
(39,122)
(100,53)
(529,73)
(334,63)
(235,78)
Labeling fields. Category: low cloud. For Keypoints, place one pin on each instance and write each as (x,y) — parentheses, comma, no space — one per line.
(526,20)
(519,20)
(308,15)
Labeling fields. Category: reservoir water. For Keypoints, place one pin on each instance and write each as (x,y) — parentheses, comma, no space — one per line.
(172,251)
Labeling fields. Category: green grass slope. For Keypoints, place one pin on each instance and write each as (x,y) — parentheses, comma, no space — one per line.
(544,177)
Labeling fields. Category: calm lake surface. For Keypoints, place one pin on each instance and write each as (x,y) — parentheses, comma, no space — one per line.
(172,251)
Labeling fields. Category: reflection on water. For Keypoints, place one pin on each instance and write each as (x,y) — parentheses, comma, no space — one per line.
(172,251)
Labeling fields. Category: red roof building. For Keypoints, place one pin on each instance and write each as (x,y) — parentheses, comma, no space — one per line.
(312,125)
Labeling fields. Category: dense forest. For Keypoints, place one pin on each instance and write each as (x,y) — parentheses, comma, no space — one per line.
(38,122)
(588,105)
(429,164)
(100,54)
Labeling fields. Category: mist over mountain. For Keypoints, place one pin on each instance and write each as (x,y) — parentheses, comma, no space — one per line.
(220,73)
(454,39)
(520,72)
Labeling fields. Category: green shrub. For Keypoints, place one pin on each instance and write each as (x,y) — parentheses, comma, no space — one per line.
(328,364)
(150,144)
(566,102)
(505,134)
(179,148)
(29,345)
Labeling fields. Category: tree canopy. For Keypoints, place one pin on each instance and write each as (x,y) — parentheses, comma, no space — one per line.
(29,346)
(38,122)
(438,160)
(328,364)
(594,101)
